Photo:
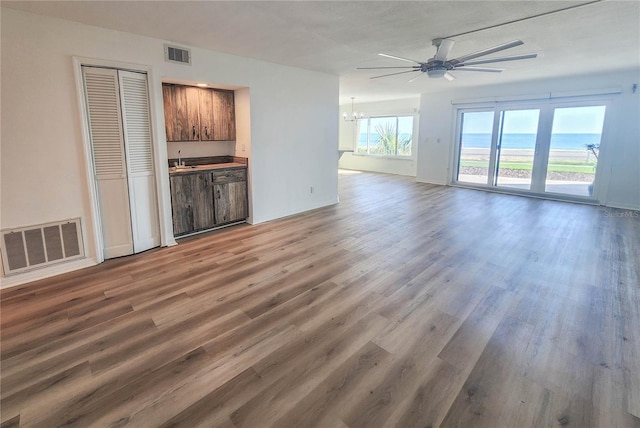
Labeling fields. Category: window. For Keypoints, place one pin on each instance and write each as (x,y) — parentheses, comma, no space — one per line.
(475,146)
(574,149)
(550,147)
(385,136)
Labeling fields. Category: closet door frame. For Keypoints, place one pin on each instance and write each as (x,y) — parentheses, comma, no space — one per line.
(92,228)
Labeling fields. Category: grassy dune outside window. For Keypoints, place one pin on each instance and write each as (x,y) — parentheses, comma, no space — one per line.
(385,136)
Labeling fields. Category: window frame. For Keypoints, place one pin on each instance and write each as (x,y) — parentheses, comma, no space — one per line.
(388,156)
(547,108)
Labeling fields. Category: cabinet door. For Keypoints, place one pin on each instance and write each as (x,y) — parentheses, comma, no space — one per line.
(230,202)
(187,115)
(169,98)
(238,209)
(182,203)
(203,212)
(224,116)
(193,113)
(206,114)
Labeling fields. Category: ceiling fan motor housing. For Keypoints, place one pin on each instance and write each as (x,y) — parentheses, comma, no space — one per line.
(435,69)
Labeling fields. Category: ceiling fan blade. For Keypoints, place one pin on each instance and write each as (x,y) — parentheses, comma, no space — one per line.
(378,68)
(443,49)
(487,69)
(449,76)
(393,74)
(488,51)
(504,58)
(399,57)
(414,78)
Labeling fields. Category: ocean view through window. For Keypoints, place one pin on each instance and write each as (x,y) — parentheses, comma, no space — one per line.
(574,149)
(545,149)
(385,136)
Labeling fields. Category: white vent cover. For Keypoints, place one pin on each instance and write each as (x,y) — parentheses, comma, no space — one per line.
(32,247)
(177,54)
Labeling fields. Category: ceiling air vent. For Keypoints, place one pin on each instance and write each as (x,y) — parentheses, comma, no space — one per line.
(176,54)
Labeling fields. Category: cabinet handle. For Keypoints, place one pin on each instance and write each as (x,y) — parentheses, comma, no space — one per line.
(194,131)
(206,132)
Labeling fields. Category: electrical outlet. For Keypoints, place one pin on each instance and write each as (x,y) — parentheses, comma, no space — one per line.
(311,190)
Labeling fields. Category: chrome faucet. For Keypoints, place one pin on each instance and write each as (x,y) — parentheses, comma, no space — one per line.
(179,159)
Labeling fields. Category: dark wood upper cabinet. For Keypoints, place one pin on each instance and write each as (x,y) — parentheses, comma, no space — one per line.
(206,115)
(181,113)
(198,114)
(169,97)
(193,115)
(224,116)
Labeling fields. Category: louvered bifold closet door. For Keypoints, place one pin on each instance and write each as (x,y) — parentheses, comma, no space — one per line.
(139,154)
(105,127)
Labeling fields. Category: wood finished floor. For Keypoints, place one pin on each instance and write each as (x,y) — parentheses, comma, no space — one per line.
(407,305)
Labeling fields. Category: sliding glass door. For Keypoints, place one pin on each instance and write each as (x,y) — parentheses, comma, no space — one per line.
(545,148)
(574,150)
(516,146)
(475,147)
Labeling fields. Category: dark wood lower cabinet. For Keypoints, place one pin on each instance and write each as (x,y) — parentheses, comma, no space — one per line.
(207,199)
(182,203)
(230,202)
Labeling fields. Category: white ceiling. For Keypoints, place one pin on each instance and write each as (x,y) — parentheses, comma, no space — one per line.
(338,36)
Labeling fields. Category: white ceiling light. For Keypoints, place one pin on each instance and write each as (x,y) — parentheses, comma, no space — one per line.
(354,115)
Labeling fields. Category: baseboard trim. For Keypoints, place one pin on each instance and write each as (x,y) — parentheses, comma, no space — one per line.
(324,204)
(46,272)
(622,206)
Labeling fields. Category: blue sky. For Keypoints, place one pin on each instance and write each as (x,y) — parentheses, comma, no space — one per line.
(570,120)
(582,120)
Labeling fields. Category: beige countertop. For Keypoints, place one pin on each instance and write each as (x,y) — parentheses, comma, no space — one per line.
(199,168)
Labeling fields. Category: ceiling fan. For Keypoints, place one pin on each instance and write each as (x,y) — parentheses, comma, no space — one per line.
(440,66)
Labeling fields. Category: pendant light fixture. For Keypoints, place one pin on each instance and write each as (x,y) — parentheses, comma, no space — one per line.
(354,115)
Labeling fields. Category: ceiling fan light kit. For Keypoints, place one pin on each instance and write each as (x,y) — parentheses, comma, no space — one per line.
(436,72)
(438,66)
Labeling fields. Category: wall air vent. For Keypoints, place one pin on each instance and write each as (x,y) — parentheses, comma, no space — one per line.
(31,247)
(177,54)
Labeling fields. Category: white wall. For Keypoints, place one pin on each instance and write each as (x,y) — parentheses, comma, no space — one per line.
(621,135)
(243,134)
(292,140)
(348,160)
